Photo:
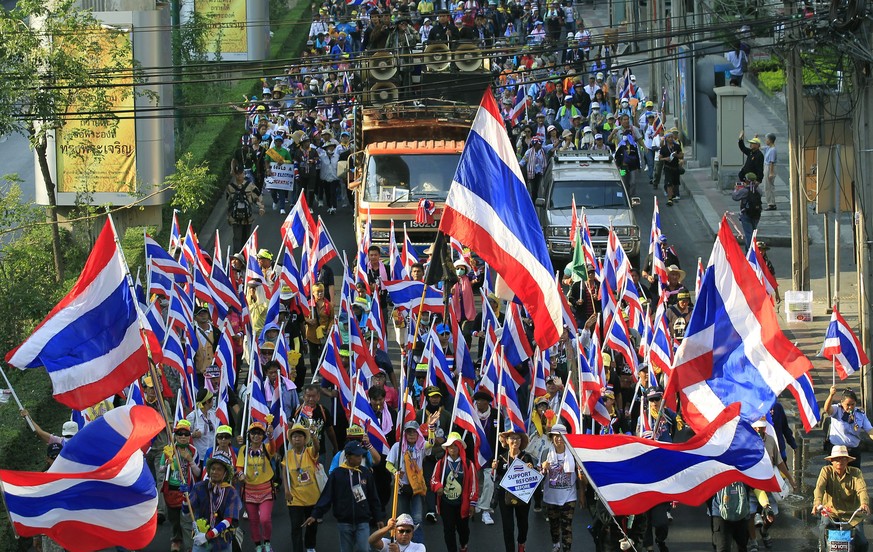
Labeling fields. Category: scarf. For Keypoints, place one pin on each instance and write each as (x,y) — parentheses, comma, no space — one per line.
(531,158)
(569,462)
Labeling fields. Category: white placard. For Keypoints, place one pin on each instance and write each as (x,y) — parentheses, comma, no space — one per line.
(282,177)
(520,480)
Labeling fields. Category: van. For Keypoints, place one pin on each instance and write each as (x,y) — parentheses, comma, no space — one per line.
(595,182)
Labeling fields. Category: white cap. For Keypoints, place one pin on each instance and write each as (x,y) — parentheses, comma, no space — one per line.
(70,428)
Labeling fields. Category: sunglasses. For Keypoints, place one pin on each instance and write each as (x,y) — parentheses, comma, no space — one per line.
(404,531)
(183,433)
(223,437)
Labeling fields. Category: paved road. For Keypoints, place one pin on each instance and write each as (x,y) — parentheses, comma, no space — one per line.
(691,529)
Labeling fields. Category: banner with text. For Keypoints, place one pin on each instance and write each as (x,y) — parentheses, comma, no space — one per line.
(227,22)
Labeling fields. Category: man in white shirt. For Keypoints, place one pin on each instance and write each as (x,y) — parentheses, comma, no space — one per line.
(403,528)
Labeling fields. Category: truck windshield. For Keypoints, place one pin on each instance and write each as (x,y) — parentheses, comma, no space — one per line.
(408,177)
(590,194)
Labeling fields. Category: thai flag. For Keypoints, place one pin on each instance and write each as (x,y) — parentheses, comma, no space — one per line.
(158,282)
(181,315)
(661,349)
(175,234)
(134,394)
(251,246)
(490,375)
(348,290)
(323,250)
(807,407)
(519,108)
(164,263)
(190,249)
(224,356)
(347,85)
(202,291)
(508,398)
(516,347)
(409,255)
(272,315)
(489,349)
(574,222)
(437,363)
(90,343)
(659,269)
(465,417)
(596,357)
(364,415)
(376,324)
(633,474)
(222,289)
(221,409)
(618,339)
(608,305)
(280,355)
(699,278)
(98,493)
(570,410)
(635,313)
(174,353)
(489,208)
(590,386)
(541,368)
(333,370)
(463,360)
(155,323)
(179,411)
(756,261)
(298,227)
(258,404)
(290,276)
(842,347)
(733,349)
(588,247)
(253,269)
(361,355)
(489,318)
(616,268)
(396,269)
(406,295)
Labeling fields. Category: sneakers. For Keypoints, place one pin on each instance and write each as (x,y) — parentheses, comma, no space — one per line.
(669,203)
(268,547)
(281,211)
(431,517)
(275,205)
(331,210)
(538,508)
(556,547)
(310,550)
(768,542)
(770,208)
(259,548)
(487,519)
(676,197)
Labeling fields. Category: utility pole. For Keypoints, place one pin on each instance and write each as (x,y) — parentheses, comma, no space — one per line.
(863,137)
(797,178)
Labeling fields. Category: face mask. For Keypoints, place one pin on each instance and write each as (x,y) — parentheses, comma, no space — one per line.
(460,272)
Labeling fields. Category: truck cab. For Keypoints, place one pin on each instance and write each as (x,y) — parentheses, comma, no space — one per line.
(595,182)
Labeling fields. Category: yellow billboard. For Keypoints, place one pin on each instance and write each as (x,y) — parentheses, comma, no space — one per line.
(94,157)
(226,20)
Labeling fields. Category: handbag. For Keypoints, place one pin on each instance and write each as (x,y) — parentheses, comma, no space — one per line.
(320,477)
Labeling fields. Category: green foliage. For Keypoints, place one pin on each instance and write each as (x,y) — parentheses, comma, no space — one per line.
(771,64)
(193,184)
(772,81)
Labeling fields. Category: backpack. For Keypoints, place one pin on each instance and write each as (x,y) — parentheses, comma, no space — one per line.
(734,502)
(631,156)
(752,206)
(239,207)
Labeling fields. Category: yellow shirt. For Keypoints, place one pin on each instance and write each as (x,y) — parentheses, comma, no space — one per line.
(258,469)
(425,7)
(301,474)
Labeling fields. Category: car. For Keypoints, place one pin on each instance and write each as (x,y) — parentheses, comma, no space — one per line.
(594,182)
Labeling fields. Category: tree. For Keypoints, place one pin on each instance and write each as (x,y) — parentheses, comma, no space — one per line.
(59,69)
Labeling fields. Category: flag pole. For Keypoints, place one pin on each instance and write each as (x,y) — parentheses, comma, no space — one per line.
(497,420)
(248,405)
(17,401)
(833,371)
(152,366)
(454,410)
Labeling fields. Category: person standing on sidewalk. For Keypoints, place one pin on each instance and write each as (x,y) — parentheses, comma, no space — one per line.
(770,172)
(749,196)
(754,158)
(671,154)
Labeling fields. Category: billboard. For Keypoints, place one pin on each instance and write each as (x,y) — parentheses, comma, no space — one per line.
(96,157)
(227,23)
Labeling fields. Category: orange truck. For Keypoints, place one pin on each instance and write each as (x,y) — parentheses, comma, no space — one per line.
(405,152)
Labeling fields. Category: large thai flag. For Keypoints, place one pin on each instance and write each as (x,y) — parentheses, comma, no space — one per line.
(633,474)
(98,493)
(465,417)
(489,208)
(842,347)
(807,407)
(174,352)
(222,289)
(437,363)
(161,261)
(406,295)
(733,349)
(90,343)
(323,250)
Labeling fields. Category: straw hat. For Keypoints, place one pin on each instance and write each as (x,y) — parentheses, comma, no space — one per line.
(525,440)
